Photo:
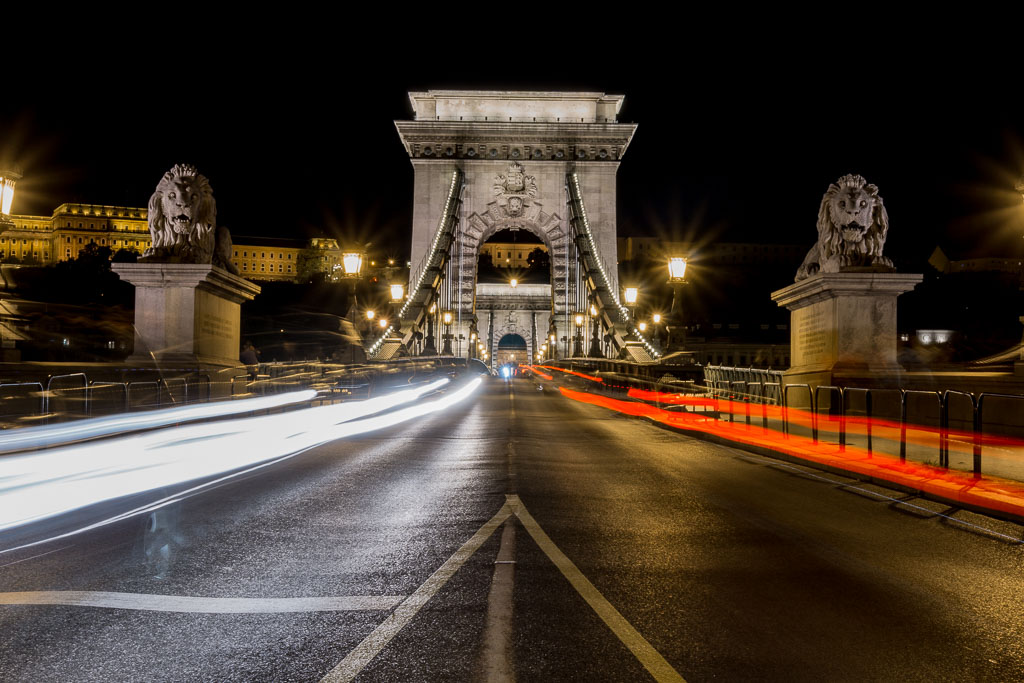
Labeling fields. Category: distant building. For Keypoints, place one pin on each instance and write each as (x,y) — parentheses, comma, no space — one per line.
(510,254)
(267,258)
(45,240)
(48,239)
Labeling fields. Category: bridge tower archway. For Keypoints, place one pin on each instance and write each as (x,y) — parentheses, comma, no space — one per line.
(489,161)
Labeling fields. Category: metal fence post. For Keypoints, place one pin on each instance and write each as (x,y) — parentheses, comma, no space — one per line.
(903,425)
(978,414)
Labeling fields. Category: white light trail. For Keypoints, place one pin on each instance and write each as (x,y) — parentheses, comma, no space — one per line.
(48,435)
(41,485)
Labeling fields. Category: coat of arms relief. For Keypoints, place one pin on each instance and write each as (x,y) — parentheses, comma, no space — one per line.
(514,190)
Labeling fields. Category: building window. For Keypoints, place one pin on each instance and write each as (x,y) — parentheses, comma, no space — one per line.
(263,254)
(245,254)
(79,225)
(69,240)
(280,268)
(289,257)
(263,267)
(245,266)
(236,254)
(289,268)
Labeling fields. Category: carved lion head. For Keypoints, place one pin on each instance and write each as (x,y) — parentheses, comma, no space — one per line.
(182,202)
(852,220)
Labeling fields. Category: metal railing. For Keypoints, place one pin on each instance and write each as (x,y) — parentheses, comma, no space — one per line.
(67,397)
(949,429)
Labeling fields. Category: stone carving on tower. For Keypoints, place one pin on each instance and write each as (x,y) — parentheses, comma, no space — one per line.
(514,190)
(852,226)
(183,222)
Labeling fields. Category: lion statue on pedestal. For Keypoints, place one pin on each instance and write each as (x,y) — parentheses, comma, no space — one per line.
(852,225)
(183,222)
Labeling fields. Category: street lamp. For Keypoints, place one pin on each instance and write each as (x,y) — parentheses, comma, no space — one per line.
(447,318)
(397,293)
(676,278)
(8,179)
(429,348)
(370,315)
(352,263)
(595,338)
(513,283)
(578,339)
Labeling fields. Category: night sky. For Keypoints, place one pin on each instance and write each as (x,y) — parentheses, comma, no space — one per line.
(727,149)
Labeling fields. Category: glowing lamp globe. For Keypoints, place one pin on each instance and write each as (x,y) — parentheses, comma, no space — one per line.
(656,318)
(8,179)
(397,293)
(352,262)
(447,317)
(630,294)
(579,320)
(370,315)
(677,269)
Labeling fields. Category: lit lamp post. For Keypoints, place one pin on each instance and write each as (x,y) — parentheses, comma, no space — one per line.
(676,278)
(447,349)
(8,179)
(577,349)
(429,347)
(630,296)
(595,341)
(352,265)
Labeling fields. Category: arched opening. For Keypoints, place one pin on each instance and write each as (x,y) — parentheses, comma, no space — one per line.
(514,254)
(512,351)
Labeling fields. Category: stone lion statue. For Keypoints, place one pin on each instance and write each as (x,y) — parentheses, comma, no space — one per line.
(183,222)
(852,225)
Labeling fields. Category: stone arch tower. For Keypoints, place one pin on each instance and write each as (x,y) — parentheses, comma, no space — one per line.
(514,150)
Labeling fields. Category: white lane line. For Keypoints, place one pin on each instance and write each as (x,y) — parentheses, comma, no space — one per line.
(630,637)
(496,653)
(200,605)
(370,647)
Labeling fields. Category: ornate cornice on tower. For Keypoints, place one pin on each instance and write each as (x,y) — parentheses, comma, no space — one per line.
(535,126)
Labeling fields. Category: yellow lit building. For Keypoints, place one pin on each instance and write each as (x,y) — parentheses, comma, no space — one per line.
(72,227)
(267,258)
(510,254)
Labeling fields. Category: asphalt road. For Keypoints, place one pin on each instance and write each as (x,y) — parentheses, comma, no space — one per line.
(523,536)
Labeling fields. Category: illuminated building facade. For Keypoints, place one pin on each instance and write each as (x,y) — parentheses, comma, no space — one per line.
(510,254)
(45,240)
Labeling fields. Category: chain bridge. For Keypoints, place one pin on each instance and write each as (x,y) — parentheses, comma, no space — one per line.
(542,162)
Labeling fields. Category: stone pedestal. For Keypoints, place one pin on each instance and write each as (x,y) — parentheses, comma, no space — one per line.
(843,326)
(186,313)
